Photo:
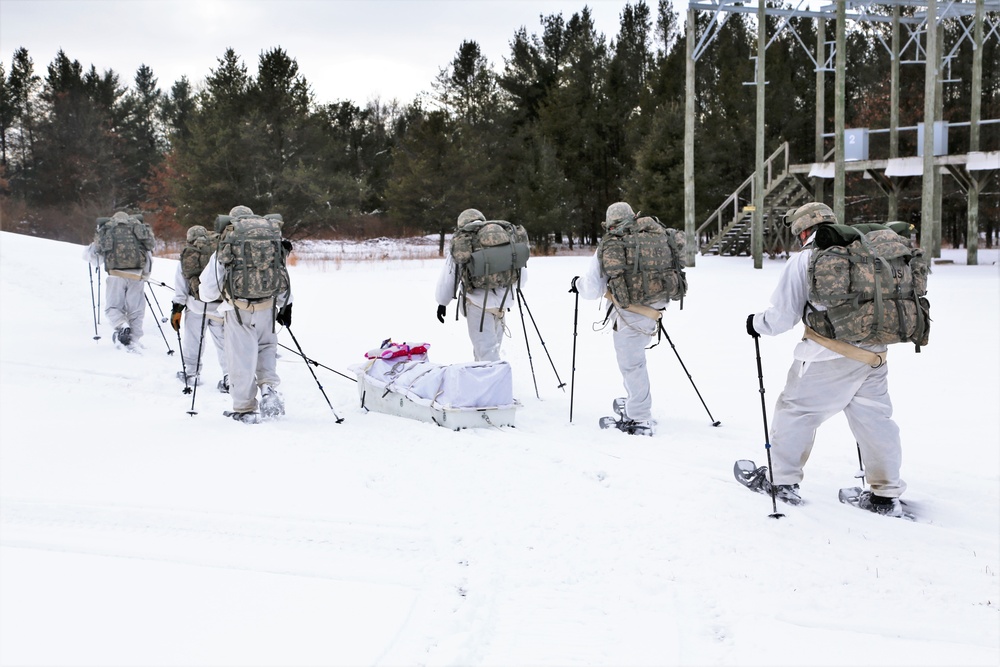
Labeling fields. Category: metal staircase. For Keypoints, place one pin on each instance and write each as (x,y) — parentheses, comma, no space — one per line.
(728,229)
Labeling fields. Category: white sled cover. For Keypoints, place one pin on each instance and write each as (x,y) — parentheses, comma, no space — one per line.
(467,395)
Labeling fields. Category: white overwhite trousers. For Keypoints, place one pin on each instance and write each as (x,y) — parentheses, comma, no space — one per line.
(251,355)
(126,304)
(193,342)
(632,334)
(816,391)
(485,343)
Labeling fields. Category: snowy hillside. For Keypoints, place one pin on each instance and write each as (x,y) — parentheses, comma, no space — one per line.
(134,534)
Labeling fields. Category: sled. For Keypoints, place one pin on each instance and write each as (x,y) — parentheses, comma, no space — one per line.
(456,396)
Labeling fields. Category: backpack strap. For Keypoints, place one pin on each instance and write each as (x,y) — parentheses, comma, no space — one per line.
(637,308)
(873,359)
(118,273)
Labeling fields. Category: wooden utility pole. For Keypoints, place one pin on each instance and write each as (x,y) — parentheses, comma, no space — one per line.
(691,244)
(893,213)
(927,223)
(757,234)
(972,231)
(819,183)
(839,178)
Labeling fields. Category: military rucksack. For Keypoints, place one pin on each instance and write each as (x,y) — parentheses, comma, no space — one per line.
(643,261)
(124,241)
(195,256)
(250,250)
(872,282)
(489,254)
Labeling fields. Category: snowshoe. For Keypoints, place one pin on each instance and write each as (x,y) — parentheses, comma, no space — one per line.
(749,475)
(223,385)
(609,422)
(123,336)
(618,405)
(244,417)
(630,426)
(866,500)
(191,380)
(271,403)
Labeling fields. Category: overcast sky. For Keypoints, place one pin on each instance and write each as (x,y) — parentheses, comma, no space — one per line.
(346,49)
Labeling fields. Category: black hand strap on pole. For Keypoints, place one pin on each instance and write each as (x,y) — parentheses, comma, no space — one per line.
(197,372)
(305,358)
(93,305)
(158,326)
(767,438)
(715,422)
(561,385)
(316,363)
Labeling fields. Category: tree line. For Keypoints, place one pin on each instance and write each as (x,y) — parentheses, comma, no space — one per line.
(572,121)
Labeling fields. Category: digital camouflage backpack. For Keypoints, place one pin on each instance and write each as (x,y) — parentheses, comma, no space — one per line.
(489,254)
(872,282)
(250,250)
(124,241)
(643,261)
(195,255)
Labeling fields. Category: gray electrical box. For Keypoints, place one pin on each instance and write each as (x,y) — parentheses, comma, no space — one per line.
(856,144)
(940,138)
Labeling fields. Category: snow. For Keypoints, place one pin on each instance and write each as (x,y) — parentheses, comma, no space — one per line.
(132,533)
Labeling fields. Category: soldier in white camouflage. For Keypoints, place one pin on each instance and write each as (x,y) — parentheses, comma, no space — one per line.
(200,317)
(124,246)
(823,382)
(484,301)
(634,312)
(251,341)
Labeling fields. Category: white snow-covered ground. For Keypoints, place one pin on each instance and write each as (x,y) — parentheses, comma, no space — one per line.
(132,533)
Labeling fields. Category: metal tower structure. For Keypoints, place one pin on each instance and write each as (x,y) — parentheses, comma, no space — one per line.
(979,21)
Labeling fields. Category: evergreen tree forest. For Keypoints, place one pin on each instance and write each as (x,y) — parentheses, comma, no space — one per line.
(570,121)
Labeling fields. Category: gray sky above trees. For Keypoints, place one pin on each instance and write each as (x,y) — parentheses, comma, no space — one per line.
(346,49)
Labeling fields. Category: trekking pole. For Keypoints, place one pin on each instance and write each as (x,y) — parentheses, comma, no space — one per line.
(316,363)
(715,422)
(93,305)
(767,442)
(860,474)
(158,283)
(187,389)
(572,373)
(561,384)
(169,349)
(97,270)
(163,318)
(201,342)
(527,346)
(305,358)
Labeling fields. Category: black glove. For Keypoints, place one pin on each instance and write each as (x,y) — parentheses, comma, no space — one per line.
(284,317)
(175,316)
(572,285)
(442,311)
(287,245)
(750,329)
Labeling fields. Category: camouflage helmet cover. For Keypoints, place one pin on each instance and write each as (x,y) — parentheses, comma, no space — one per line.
(196,231)
(616,213)
(240,212)
(469,215)
(809,215)
(120,216)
